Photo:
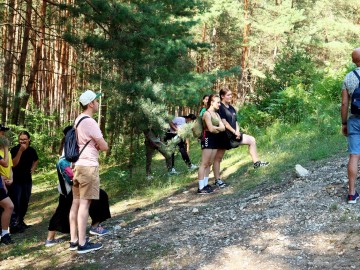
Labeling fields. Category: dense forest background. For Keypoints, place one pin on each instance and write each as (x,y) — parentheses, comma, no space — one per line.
(283,59)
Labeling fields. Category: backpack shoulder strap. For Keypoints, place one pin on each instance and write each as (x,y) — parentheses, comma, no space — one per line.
(82,118)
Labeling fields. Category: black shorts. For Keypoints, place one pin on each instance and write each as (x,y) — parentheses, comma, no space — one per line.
(224,141)
(3,194)
(209,140)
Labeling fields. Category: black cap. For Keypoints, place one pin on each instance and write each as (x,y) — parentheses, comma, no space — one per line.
(3,128)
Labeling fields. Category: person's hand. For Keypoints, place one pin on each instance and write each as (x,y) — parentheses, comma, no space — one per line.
(237,134)
(8,182)
(97,147)
(32,170)
(344,130)
(23,146)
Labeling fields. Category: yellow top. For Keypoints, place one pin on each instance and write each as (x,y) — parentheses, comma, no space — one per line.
(6,171)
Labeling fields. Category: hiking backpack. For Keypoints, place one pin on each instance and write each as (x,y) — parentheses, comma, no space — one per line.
(71,147)
(198,128)
(355,98)
(65,176)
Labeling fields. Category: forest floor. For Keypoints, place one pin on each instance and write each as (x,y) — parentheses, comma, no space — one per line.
(290,223)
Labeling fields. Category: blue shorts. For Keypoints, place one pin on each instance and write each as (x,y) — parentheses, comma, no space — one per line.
(353,127)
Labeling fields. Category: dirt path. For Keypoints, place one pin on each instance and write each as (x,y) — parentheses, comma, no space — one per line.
(296,224)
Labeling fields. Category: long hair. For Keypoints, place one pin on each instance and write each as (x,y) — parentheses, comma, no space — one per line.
(211,98)
(223,91)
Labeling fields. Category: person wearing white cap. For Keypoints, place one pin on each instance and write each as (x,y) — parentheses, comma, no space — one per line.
(86,173)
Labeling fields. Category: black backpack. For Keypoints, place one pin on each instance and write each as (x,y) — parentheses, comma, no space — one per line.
(71,147)
(355,98)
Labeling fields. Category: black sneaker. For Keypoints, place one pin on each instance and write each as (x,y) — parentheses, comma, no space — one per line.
(220,183)
(204,191)
(259,163)
(16,229)
(208,187)
(88,247)
(74,245)
(24,225)
(6,239)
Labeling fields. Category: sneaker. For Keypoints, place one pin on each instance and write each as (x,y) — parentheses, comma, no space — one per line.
(259,163)
(353,198)
(204,191)
(6,239)
(88,247)
(173,172)
(193,167)
(220,183)
(16,229)
(208,187)
(53,242)
(74,245)
(24,225)
(99,230)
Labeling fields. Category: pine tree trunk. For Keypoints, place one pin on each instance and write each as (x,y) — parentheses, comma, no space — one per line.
(22,63)
(35,66)
(8,63)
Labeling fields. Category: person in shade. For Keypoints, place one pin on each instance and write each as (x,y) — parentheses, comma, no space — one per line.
(25,161)
(86,181)
(204,103)
(183,146)
(229,118)
(209,142)
(153,143)
(351,125)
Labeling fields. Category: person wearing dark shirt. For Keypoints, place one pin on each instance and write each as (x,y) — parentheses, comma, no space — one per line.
(25,160)
(229,118)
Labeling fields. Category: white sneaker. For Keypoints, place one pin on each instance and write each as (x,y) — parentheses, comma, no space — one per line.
(173,172)
(193,167)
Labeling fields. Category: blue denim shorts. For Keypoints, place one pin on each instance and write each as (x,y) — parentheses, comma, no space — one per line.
(354,135)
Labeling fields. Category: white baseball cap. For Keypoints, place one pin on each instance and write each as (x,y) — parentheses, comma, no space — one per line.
(88,96)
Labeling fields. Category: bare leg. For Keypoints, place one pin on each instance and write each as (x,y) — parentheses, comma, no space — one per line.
(207,159)
(352,172)
(251,142)
(51,235)
(82,219)
(73,220)
(6,214)
(217,160)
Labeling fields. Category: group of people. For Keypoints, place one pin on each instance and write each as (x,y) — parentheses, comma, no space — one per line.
(16,169)
(220,126)
(83,199)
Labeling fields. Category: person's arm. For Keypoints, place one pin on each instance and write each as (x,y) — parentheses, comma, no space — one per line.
(344,111)
(187,145)
(221,126)
(5,161)
(208,123)
(33,167)
(101,144)
(10,180)
(228,126)
(17,157)
(3,183)
(173,126)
